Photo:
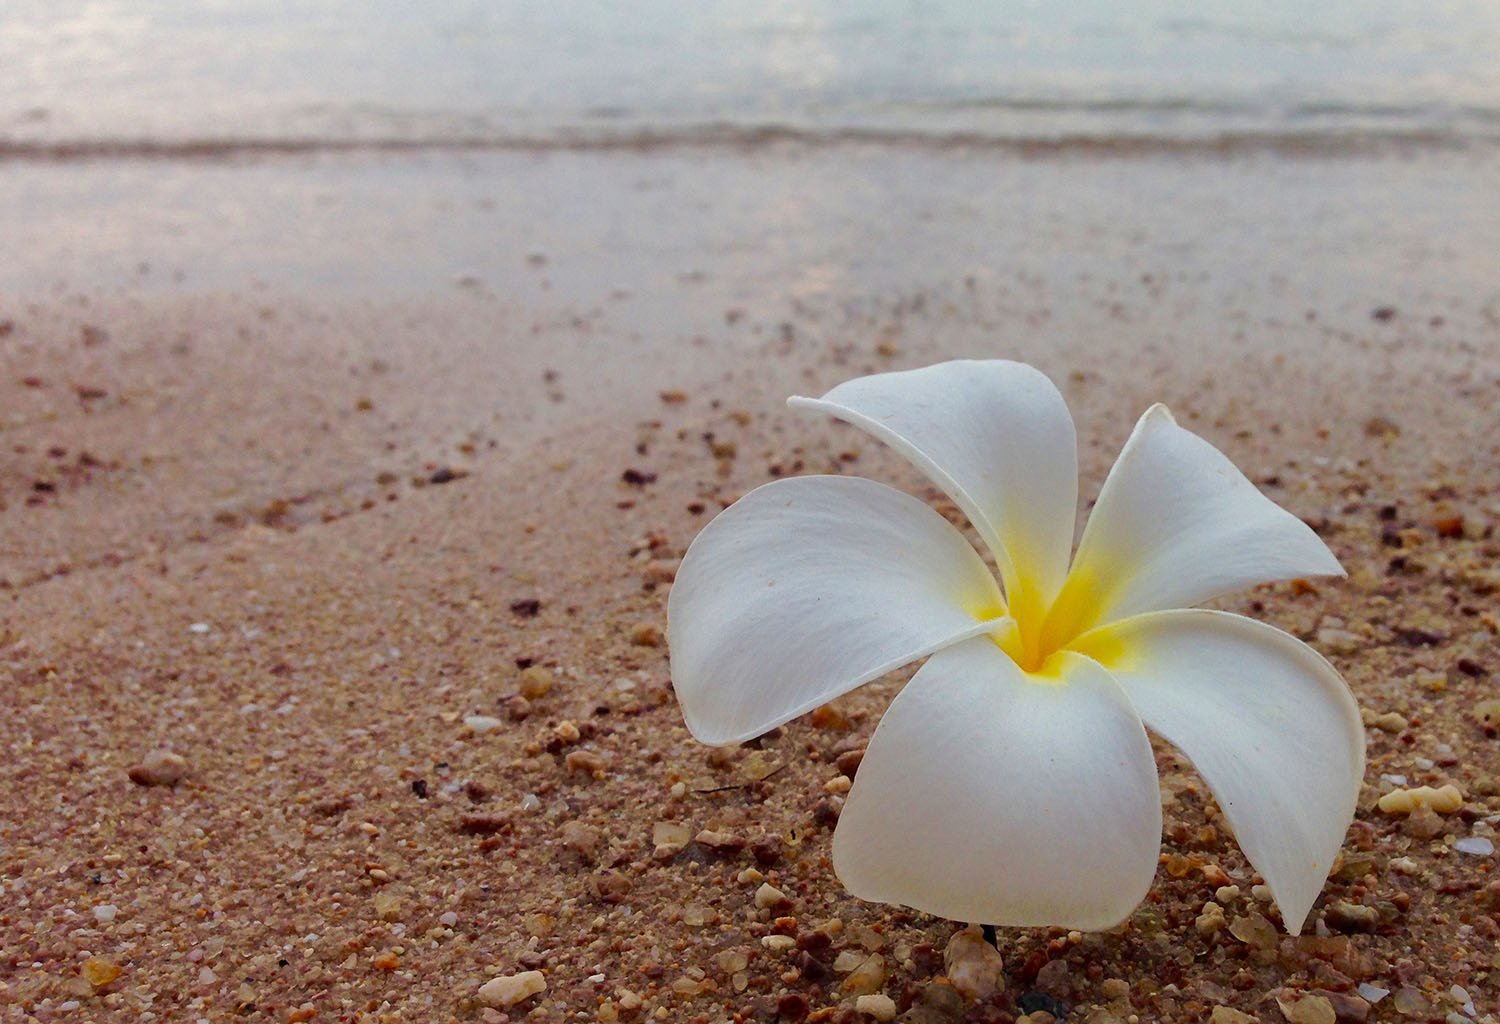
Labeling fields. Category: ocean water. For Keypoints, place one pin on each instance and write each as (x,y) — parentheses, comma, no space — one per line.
(212,77)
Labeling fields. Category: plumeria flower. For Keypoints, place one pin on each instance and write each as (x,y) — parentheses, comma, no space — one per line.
(1011,780)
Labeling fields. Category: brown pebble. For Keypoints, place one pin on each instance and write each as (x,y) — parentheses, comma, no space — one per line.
(1229,1015)
(647,634)
(1347,1007)
(509,990)
(536,682)
(849,761)
(1449,527)
(826,811)
(1351,917)
(1301,1008)
(722,842)
(99,972)
(767,850)
(1215,876)
(1423,823)
(792,1006)
(659,571)
(610,886)
(159,768)
(590,762)
(973,965)
(483,824)
(827,716)
(584,840)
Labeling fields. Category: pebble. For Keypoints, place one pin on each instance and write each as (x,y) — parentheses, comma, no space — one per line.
(867,978)
(724,842)
(105,913)
(669,839)
(877,1005)
(1423,823)
(1411,1002)
(838,784)
(973,965)
(387,905)
(849,761)
(590,762)
(1211,920)
(826,716)
(1337,641)
(1034,1003)
(768,897)
(659,571)
(508,990)
(1229,1015)
(647,634)
(582,839)
(159,768)
(1479,846)
(1307,1009)
(1372,993)
(482,723)
(1487,712)
(847,960)
(1351,917)
(536,682)
(99,972)
(610,886)
(1404,801)
(1254,930)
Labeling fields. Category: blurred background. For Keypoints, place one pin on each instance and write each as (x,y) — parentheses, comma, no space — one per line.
(716,153)
(143,76)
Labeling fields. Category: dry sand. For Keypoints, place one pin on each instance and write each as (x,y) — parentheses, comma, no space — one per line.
(305,574)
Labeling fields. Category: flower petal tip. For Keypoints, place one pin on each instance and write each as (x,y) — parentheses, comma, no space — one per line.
(1160,411)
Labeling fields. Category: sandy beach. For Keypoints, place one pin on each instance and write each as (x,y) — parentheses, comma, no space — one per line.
(378,546)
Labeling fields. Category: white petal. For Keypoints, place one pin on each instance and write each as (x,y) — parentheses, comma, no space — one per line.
(997,437)
(1176,524)
(991,796)
(804,589)
(1269,725)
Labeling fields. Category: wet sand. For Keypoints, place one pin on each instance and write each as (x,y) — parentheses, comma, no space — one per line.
(388,573)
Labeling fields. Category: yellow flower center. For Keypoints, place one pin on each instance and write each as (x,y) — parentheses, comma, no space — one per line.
(1042,630)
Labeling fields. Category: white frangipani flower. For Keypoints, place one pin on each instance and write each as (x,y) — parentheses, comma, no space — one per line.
(1011,781)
